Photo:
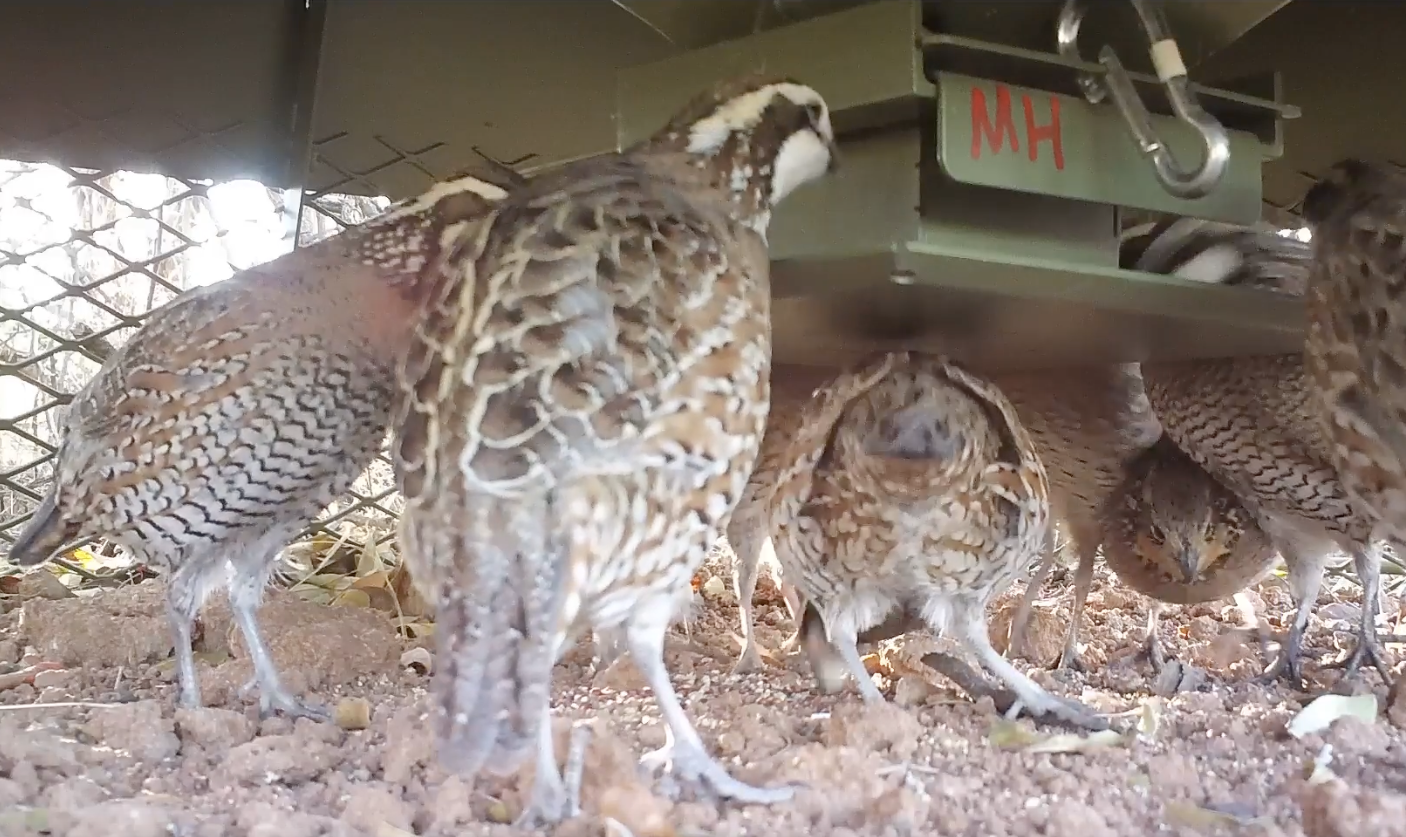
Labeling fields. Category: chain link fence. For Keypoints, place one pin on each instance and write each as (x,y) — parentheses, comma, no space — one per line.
(86,256)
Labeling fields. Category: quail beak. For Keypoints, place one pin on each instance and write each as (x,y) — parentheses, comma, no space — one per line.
(46,534)
(834,150)
(1189,559)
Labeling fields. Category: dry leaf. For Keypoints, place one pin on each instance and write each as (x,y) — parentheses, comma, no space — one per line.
(373,581)
(352,598)
(1323,711)
(1187,815)
(1009,735)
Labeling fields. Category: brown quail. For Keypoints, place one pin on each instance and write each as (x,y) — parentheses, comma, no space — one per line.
(749,528)
(1356,344)
(1176,535)
(911,486)
(1252,423)
(1086,425)
(239,411)
(585,401)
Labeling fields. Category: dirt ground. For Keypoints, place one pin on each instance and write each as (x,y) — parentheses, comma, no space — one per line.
(91,744)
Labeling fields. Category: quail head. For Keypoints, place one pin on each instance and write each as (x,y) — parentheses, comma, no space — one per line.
(1251,422)
(583,406)
(238,412)
(911,486)
(1356,344)
(1172,532)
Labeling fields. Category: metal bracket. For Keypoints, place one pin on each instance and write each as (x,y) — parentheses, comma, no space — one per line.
(1166,59)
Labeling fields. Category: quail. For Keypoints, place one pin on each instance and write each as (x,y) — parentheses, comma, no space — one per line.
(1356,344)
(1176,535)
(911,486)
(1251,422)
(749,528)
(1087,424)
(582,406)
(238,412)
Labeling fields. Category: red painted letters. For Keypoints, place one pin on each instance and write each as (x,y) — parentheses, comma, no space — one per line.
(994,130)
(1036,134)
(981,121)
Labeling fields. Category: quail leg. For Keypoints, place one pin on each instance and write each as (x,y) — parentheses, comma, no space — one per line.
(1083,583)
(1036,700)
(795,605)
(1152,646)
(554,797)
(1367,562)
(1020,622)
(746,549)
(245,592)
(1305,578)
(182,603)
(683,754)
(609,645)
(833,654)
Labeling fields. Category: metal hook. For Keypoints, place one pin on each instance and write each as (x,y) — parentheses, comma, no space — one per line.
(1166,59)
(1067,40)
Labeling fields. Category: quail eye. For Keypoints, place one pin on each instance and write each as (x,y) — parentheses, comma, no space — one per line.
(816,114)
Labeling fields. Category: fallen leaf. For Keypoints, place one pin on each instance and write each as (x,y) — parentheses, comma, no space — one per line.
(1321,712)
(1009,735)
(352,597)
(385,829)
(1068,742)
(372,581)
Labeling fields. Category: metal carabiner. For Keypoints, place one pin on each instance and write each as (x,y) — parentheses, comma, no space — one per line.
(1067,40)
(1166,59)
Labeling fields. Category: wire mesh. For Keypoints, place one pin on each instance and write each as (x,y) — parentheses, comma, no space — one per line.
(86,256)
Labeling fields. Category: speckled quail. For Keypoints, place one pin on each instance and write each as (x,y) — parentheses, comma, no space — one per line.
(910,486)
(1176,535)
(749,527)
(1252,423)
(1086,425)
(239,411)
(1356,345)
(586,399)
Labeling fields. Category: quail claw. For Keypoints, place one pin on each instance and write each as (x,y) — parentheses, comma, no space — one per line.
(683,764)
(280,702)
(1368,649)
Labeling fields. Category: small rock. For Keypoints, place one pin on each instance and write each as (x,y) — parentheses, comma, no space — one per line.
(283,759)
(911,691)
(216,728)
(714,587)
(43,584)
(137,728)
(11,793)
(352,713)
(10,651)
(418,658)
(52,678)
(370,808)
(73,794)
